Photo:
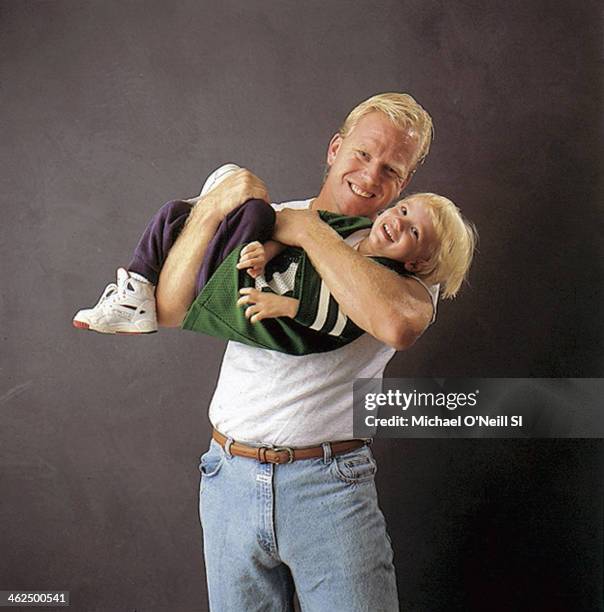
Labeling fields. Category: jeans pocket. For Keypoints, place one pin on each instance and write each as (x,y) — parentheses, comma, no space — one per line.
(211,461)
(355,467)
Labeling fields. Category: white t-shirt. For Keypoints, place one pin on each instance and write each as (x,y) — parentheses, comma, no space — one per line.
(268,397)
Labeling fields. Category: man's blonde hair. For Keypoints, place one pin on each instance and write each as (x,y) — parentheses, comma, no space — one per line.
(402,110)
(449,263)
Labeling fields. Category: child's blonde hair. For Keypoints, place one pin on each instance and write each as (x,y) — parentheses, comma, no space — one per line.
(450,262)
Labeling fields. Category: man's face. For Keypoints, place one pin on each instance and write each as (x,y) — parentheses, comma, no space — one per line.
(405,232)
(370,167)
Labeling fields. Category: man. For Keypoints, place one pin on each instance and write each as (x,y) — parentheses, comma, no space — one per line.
(306,516)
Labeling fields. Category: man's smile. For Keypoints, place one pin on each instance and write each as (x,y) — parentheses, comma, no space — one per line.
(360,192)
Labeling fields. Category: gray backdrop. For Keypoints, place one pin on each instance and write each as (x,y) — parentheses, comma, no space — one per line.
(111,108)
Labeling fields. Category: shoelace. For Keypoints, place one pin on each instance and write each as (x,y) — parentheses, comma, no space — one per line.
(111,291)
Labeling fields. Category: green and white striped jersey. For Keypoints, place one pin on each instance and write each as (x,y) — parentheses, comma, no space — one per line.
(319,325)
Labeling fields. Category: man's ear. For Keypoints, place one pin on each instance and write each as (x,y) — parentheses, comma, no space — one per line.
(334,146)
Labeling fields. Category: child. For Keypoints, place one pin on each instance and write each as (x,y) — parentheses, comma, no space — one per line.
(423,235)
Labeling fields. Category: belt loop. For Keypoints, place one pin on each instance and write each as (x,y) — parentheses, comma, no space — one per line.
(326,452)
(227,447)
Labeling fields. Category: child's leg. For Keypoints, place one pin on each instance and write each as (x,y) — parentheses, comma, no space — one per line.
(128,306)
(157,240)
(253,220)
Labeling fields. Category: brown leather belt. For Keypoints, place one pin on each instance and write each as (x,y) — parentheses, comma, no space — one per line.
(284,454)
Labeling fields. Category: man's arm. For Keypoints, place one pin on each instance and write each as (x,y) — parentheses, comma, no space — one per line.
(175,290)
(393,309)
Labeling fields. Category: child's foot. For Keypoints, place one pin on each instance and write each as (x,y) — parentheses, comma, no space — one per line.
(127,307)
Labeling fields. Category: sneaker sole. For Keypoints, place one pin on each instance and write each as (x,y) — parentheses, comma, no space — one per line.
(82,325)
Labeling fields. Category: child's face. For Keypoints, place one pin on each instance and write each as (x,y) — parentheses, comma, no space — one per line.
(404,233)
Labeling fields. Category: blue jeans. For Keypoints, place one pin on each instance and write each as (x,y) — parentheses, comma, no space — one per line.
(314,523)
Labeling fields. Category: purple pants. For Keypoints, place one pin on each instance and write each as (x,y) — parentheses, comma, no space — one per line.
(252,220)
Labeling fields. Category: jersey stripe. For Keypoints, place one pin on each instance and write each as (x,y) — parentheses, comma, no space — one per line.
(322,308)
(340,323)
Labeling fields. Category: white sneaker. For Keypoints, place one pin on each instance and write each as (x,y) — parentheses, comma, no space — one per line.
(217,177)
(127,307)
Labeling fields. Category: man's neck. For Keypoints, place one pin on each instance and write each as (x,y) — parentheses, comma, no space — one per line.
(323,203)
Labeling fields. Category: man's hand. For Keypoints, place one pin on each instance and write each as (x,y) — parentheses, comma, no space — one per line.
(263,305)
(291,225)
(176,287)
(252,257)
(234,190)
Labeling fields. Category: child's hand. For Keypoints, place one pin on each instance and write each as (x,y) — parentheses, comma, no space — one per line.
(263,305)
(252,257)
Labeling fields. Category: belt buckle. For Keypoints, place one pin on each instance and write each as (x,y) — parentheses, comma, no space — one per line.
(290,452)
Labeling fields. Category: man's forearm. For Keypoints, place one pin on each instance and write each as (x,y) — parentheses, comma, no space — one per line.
(393,309)
(176,287)
(272,248)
